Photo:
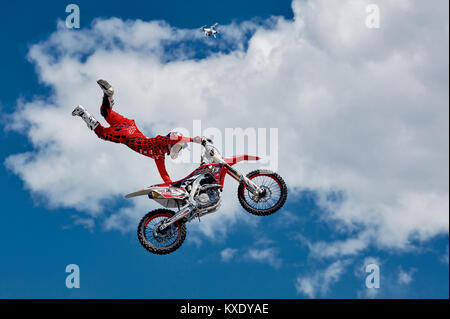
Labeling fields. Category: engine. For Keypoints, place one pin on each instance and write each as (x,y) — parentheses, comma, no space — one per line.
(208,196)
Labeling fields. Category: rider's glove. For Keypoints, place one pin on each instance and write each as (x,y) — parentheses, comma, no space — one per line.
(197,139)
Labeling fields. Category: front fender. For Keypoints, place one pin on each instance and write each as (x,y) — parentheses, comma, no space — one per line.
(236,159)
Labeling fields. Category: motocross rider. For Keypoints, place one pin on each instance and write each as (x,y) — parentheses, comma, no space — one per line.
(125,131)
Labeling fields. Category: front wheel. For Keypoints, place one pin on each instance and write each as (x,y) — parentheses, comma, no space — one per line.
(160,242)
(275,193)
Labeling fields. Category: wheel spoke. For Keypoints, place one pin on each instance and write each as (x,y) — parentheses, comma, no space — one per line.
(160,240)
(272,187)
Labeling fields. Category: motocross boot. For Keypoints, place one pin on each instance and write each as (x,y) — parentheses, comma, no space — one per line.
(91,122)
(108,91)
(106,87)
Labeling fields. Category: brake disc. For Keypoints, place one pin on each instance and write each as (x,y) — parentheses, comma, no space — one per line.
(265,198)
(165,236)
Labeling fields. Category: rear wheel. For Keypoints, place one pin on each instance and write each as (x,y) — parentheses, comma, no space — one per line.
(275,193)
(156,241)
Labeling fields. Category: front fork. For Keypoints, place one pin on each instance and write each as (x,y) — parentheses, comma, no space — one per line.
(252,187)
(184,212)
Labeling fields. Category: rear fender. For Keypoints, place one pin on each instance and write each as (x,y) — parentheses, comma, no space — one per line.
(162,192)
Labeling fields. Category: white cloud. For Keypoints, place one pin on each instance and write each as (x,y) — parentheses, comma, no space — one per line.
(319,282)
(266,255)
(87,223)
(405,277)
(365,109)
(348,247)
(227,254)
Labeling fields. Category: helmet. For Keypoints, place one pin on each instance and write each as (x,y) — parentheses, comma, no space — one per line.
(175,149)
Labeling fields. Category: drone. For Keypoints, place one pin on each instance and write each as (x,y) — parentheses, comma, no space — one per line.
(211,31)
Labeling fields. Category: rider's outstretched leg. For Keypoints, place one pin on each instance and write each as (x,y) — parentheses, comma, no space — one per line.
(107,105)
(106,110)
(114,119)
(91,122)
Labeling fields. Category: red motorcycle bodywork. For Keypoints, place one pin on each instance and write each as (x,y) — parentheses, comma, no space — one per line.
(173,195)
(219,171)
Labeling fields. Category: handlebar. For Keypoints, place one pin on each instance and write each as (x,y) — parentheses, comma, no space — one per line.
(206,140)
(210,151)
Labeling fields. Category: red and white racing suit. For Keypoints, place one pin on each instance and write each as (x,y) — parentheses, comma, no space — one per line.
(125,131)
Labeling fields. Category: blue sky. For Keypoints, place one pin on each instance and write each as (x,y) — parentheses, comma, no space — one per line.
(38,241)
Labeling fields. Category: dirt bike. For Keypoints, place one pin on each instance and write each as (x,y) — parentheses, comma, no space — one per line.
(162,231)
